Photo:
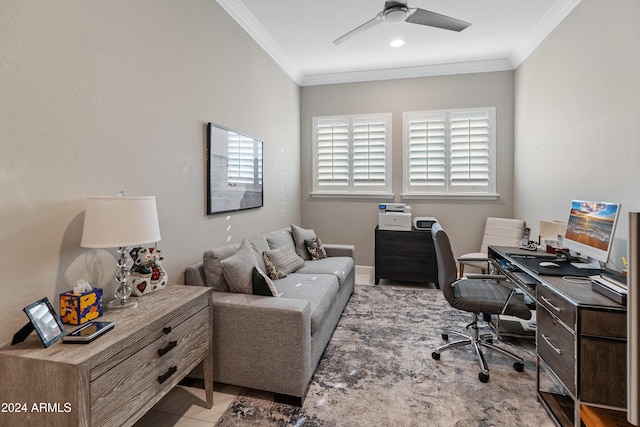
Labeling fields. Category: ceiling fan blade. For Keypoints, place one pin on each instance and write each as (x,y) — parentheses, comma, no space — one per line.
(432,19)
(375,21)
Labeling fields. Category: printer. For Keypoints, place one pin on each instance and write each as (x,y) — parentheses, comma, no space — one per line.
(394,216)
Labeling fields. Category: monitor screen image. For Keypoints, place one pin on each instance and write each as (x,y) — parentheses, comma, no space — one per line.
(590,228)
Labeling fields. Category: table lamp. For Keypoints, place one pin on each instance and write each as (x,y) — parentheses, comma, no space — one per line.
(120,222)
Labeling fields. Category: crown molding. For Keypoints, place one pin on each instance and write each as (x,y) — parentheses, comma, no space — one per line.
(244,18)
(553,17)
(409,72)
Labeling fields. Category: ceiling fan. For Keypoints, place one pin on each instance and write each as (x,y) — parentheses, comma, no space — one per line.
(398,11)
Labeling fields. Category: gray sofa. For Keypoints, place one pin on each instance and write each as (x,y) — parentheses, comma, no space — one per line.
(275,343)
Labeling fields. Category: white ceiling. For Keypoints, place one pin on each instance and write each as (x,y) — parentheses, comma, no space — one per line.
(299,34)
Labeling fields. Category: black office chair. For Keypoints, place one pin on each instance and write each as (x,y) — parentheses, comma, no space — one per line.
(489,295)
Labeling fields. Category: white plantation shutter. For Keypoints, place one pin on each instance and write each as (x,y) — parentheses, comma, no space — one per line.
(369,151)
(332,153)
(427,157)
(470,149)
(450,152)
(351,154)
(243,152)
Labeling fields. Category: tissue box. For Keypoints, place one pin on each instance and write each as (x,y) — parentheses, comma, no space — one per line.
(76,309)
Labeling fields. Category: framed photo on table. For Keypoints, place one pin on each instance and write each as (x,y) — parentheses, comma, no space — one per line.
(45,321)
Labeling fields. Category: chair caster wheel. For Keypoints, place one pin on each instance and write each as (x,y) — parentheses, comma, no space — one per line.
(518,366)
(483,377)
(436,356)
(445,337)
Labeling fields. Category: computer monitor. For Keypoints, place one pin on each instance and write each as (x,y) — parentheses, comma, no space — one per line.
(590,230)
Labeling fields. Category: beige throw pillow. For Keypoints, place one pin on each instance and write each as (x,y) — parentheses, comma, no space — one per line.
(299,236)
(281,261)
(237,269)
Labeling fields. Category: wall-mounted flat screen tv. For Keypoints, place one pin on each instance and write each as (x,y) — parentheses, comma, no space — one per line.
(234,167)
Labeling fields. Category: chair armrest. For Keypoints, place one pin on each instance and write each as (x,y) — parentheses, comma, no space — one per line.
(471,259)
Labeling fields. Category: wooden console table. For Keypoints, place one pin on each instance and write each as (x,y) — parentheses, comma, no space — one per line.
(117,378)
(407,256)
(581,339)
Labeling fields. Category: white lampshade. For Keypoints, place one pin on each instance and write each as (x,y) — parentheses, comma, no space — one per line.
(120,221)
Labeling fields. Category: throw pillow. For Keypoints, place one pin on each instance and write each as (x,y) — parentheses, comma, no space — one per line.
(299,236)
(259,244)
(315,248)
(281,261)
(280,238)
(262,284)
(238,267)
(213,269)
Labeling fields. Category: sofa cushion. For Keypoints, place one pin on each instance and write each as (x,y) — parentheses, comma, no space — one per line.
(238,267)
(315,248)
(281,261)
(280,238)
(213,269)
(299,236)
(337,266)
(262,284)
(319,289)
(259,244)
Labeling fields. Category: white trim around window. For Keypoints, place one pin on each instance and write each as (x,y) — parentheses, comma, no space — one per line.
(352,156)
(450,154)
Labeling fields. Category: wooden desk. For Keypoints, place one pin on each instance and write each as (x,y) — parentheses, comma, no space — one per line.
(407,256)
(581,341)
(117,378)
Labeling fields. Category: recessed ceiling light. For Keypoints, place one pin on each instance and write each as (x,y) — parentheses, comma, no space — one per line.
(397,43)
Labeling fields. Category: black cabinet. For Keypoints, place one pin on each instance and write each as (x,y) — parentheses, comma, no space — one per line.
(407,256)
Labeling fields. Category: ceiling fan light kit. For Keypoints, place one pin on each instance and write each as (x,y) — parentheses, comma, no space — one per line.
(398,11)
(395,14)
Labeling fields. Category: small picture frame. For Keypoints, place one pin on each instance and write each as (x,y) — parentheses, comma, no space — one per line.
(45,321)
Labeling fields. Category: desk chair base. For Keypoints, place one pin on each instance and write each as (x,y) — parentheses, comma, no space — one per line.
(477,341)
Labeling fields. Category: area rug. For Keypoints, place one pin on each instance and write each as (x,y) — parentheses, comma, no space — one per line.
(378,371)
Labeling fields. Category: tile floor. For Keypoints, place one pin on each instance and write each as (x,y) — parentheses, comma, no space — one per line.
(185,407)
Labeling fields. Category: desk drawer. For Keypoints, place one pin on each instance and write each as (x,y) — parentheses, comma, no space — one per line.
(117,394)
(605,324)
(556,345)
(557,305)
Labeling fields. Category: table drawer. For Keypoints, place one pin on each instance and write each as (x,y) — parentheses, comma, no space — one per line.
(117,394)
(557,305)
(556,345)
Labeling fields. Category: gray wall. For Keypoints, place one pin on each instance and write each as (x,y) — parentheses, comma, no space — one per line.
(578,117)
(354,221)
(98,97)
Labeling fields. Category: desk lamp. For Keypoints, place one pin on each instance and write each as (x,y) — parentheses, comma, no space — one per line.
(120,222)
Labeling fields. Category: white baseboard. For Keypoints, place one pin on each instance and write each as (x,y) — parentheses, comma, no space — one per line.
(365,274)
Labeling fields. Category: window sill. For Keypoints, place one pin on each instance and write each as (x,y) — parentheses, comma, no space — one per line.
(450,196)
(339,195)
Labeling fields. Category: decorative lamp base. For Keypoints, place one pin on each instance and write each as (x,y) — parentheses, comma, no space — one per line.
(117,304)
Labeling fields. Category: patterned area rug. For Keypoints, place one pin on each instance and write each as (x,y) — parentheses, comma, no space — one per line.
(378,371)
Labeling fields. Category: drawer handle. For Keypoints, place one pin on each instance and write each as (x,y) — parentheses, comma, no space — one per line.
(550,304)
(167,349)
(556,349)
(166,330)
(172,370)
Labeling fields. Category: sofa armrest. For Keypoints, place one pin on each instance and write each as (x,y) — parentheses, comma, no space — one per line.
(334,249)
(262,342)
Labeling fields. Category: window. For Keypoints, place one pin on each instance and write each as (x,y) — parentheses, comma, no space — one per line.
(352,155)
(450,152)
